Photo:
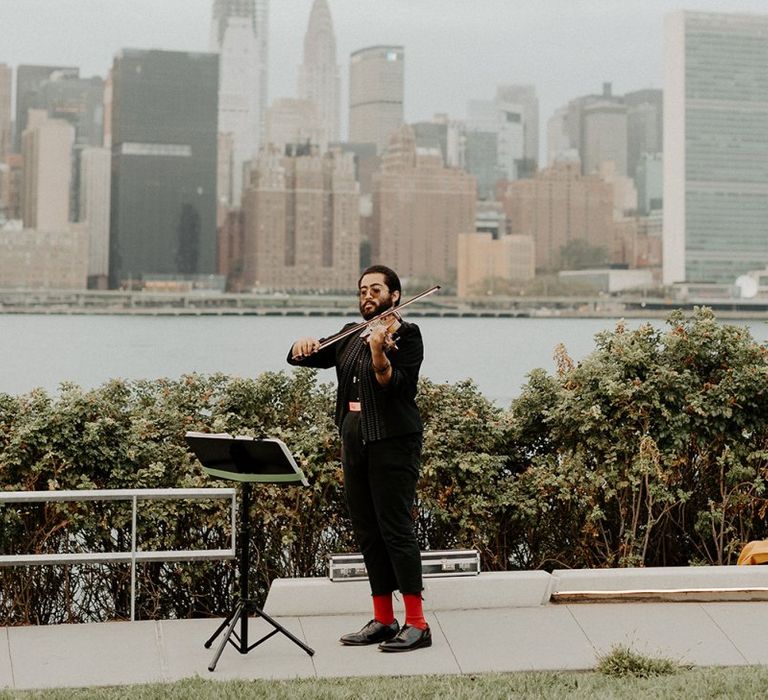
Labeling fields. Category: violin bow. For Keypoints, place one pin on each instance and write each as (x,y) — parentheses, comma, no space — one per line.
(330,340)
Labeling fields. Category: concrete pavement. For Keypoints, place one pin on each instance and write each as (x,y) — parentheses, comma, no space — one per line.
(494,622)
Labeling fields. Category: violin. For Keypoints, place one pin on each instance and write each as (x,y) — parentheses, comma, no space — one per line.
(390,319)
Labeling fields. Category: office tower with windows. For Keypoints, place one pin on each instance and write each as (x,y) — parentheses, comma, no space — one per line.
(301,222)
(319,80)
(715,146)
(239,35)
(419,209)
(527,105)
(163,199)
(376,94)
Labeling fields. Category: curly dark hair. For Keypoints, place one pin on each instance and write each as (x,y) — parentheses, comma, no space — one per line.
(390,276)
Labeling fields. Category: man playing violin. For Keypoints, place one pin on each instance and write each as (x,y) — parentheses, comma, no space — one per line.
(381,437)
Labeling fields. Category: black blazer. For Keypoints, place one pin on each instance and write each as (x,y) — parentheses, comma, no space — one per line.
(394,406)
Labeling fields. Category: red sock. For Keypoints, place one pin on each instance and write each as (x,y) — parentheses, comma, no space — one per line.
(414,613)
(382,609)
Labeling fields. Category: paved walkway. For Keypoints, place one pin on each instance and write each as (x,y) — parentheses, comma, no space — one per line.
(543,636)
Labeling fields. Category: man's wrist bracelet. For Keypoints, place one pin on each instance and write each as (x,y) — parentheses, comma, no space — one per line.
(381,370)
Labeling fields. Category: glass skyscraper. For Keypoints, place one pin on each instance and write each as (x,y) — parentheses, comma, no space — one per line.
(163,202)
(715,146)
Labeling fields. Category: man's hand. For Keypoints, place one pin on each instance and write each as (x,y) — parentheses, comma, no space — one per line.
(304,347)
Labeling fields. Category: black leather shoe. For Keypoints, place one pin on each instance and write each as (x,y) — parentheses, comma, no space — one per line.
(407,639)
(373,633)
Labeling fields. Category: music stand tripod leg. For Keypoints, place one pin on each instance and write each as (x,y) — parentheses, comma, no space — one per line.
(238,613)
(279,628)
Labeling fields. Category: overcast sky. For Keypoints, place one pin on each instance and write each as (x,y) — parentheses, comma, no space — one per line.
(455,49)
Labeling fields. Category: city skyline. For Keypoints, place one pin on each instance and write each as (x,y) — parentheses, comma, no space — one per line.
(456,49)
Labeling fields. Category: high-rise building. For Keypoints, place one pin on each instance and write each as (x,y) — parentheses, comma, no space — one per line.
(715,146)
(47,153)
(163,201)
(302,224)
(595,127)
(376,94)
(558,206)
(28,82)
(79,101)
(239,34)
(319,80)
(524,97)
(95,177)
(419,209)
(645,117)
(604,135)
(481,150)
(6,86)
(505,120)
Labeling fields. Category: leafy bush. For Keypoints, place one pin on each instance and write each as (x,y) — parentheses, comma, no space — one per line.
(652,451)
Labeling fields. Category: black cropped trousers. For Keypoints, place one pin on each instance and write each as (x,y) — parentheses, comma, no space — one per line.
(380,480)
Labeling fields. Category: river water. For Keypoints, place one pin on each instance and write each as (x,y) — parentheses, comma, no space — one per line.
(497,353)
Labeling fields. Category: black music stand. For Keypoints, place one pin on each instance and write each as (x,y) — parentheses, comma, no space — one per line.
(246,460)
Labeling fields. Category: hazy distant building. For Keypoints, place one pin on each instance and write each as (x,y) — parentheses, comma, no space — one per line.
(604,135)
(481,150)
(449,135)
(95,178)
(592,128)
(524,96)
(239,34)
(293,121)
(11,186)
(650,183)
(645,126)
(6,88)
(558,139)
(715,146)
(419,209)
(39,259)
(301,223)
(558,206)
(376,93)
(163,203)
(483,262)
(47,156)
(505,120)
(367,162)
(29,79)
(319,80)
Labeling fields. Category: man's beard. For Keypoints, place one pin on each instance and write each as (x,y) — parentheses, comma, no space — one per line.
(371,307)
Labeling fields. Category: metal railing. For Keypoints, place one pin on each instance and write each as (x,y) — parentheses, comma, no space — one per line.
(134,555)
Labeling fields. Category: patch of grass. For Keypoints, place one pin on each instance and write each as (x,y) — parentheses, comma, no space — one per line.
(621,662)
(696,684)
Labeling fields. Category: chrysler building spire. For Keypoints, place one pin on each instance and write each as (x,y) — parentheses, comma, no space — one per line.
(319,79)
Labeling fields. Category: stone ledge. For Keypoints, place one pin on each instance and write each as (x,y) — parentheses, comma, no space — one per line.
(496,589)
(684,583)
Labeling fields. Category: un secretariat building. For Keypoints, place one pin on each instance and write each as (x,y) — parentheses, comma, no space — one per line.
(715,146)
(163,200)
